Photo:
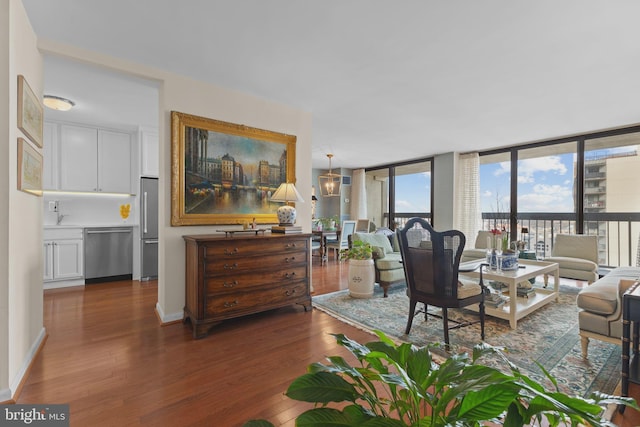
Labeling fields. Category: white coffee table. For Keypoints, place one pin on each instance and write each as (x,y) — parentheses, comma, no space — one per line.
(519,307)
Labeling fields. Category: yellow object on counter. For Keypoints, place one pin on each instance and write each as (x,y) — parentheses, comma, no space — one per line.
(125,210)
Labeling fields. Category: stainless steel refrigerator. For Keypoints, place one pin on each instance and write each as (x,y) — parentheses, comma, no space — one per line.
(149,228)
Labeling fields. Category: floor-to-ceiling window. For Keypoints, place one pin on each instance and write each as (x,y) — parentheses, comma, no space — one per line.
(398,192)
(611,197)
(546,188)
(580,184)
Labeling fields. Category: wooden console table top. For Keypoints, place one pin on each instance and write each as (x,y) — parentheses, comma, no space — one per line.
(229,233)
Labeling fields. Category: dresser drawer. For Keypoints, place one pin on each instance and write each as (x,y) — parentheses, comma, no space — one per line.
(228,266)
(236,249)
(227,277)
(241,281)
(230,305)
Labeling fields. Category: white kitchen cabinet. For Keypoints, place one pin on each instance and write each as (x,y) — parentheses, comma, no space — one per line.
(114,162)
(63,254)
(50,156)
(94,160)
(150,153)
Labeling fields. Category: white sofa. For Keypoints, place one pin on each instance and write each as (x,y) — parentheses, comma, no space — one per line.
(479,249)
(600,315)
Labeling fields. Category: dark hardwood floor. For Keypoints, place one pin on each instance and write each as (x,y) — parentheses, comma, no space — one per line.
(107,357)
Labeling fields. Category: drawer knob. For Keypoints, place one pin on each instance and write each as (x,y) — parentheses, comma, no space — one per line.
(290,245)
(230,304)
(231,267)
(230,285)
(233,252)
(290,275)
(290,293)
(288,260)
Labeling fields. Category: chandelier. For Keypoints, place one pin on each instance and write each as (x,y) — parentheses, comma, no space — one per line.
(330,182)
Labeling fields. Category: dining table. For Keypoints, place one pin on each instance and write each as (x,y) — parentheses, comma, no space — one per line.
(322,236)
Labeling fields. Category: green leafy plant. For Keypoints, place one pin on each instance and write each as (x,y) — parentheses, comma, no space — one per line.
(402,385)
(330,223)
(358,250)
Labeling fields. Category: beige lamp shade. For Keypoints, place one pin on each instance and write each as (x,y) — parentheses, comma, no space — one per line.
(287,192)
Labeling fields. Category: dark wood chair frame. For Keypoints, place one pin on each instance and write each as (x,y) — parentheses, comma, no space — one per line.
(432,275)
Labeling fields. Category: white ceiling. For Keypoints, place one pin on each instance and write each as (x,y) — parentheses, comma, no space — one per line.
(385,80)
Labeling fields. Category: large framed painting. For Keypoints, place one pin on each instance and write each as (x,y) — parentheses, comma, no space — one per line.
(30,112)
(225,173)
(29,168)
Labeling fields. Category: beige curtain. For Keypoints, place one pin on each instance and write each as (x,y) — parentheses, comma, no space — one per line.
(468,216)
(358,195)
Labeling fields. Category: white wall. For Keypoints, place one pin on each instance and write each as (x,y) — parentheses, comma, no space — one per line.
(444,188)
(178,93)
(89,210)
(190,96)
(5,393)
(21,329)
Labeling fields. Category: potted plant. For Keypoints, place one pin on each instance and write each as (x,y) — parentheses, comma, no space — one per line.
(362,274)
(402,385)
(328,223)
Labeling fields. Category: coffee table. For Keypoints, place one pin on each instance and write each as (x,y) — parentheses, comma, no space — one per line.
(519,307)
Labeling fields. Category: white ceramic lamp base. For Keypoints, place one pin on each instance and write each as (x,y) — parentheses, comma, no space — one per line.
(286,215)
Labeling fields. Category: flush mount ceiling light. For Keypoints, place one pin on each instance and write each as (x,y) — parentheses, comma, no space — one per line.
(58,103)
(330,182)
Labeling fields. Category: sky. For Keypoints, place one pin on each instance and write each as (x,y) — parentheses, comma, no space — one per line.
(545,184)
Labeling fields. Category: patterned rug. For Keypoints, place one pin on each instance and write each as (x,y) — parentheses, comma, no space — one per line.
(548,336)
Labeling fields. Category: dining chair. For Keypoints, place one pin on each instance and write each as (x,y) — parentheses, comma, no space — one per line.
(348,228)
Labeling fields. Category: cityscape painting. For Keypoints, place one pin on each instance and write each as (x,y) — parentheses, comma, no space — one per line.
(224,173)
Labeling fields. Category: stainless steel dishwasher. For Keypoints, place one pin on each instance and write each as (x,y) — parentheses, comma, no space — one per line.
(108,254)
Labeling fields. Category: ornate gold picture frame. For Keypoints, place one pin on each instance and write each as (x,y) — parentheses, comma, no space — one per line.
(225,173)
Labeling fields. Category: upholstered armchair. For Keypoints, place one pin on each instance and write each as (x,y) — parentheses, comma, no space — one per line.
(388,263)
(577,257)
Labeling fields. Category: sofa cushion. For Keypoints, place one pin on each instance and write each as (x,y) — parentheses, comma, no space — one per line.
(631,273)
(391,276)
(469,254)
(379,240)
(468,288)
(573,263)
(483,239)
(391,261)
(576,246)
(378,252)
(601,297)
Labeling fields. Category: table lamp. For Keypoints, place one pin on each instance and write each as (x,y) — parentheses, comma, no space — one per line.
(286,193)
(525,231)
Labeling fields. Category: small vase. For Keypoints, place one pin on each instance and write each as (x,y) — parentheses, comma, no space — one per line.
(492,259)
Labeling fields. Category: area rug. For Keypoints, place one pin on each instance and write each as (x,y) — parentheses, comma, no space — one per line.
(548,336)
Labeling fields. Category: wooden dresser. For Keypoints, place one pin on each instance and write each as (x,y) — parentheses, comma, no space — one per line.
(229,277)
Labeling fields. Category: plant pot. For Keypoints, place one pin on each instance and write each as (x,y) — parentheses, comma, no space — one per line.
(362,277)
